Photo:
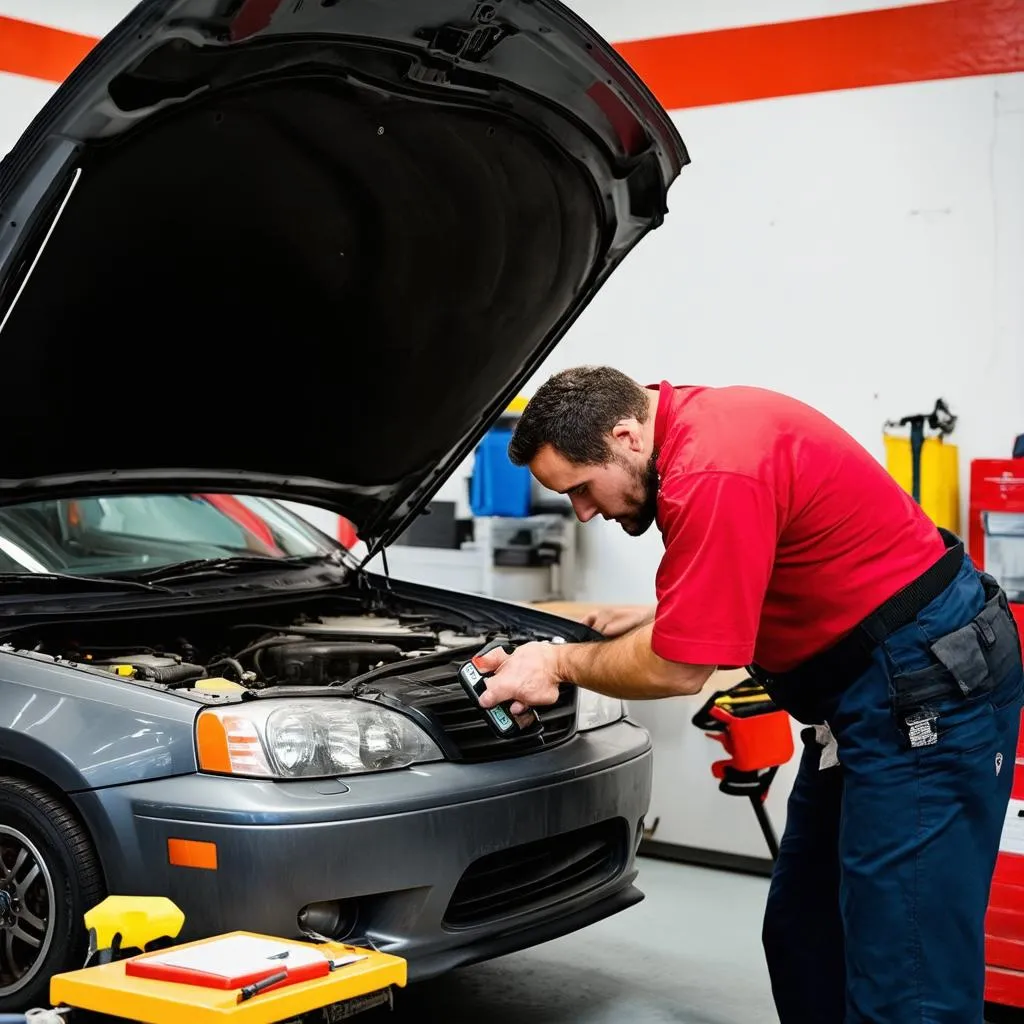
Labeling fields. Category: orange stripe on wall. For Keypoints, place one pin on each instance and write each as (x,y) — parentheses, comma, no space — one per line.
(924,42)
(955,39)
(39,51)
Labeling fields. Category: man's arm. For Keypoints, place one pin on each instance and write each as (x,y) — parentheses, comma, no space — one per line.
(625,667)
(720,541)
(616,621)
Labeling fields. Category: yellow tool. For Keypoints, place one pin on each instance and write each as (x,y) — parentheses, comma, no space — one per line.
(137,920)
(927,468)
(725,702)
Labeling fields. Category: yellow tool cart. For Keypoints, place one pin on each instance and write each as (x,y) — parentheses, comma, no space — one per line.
(239,976)
(927,467)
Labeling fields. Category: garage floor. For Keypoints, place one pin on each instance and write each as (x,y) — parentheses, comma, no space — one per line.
(689,954)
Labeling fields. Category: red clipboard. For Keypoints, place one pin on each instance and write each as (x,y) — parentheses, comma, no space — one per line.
(220,965)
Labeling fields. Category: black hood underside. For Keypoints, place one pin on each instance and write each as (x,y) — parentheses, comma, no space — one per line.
(299,277)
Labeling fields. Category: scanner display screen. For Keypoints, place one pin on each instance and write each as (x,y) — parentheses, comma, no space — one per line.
(473,677)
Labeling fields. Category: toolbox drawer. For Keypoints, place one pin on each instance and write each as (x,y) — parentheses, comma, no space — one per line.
(1004,922)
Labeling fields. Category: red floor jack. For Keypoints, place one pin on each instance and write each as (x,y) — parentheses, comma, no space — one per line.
(758,737)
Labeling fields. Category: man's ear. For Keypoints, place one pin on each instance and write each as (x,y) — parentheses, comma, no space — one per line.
(628,434)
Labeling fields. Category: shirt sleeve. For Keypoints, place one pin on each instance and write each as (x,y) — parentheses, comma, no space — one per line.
(720,538)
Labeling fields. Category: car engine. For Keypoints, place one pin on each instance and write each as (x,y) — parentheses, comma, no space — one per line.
(330,651)
(404,656)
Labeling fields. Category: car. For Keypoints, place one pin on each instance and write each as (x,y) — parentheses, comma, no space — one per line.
(297,254)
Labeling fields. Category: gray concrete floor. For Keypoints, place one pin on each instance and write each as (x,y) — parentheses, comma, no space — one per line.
(690,953)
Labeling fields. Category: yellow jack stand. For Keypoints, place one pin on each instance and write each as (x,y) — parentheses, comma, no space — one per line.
(130,922)
(135,922)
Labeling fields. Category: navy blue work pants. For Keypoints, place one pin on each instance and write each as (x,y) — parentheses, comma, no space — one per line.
(877,903)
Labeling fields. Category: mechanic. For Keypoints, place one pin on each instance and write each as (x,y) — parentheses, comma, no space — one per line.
(789,550)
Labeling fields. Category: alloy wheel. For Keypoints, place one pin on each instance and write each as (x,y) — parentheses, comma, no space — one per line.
(26,910)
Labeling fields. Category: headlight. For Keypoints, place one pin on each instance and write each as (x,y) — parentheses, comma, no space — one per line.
(595,710)
(286,739)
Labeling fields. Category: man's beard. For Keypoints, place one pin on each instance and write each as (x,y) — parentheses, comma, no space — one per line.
(639,521)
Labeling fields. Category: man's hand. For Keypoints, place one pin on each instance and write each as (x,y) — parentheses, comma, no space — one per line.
(614,622)
(626,668)
(528,677)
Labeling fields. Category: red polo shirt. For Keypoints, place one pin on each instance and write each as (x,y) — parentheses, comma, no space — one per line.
(781,532)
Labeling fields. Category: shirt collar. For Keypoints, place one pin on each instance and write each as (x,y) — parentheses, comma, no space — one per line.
(665,395)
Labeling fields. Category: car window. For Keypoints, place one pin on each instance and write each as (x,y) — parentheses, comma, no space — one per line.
(8,563)
(125,533)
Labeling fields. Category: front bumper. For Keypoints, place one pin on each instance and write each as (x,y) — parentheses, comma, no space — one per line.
(395,848)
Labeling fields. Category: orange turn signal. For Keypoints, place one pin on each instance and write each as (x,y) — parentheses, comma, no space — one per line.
(212,744)
(192,853)
(227,743)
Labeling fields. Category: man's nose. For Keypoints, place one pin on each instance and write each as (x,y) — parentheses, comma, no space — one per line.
(585,510)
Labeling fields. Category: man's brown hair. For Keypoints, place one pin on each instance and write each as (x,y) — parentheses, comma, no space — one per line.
(574,411)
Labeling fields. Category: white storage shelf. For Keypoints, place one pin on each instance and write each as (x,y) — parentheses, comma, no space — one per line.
(471,569)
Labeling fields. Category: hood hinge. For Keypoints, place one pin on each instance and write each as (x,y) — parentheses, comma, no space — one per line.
(363,581)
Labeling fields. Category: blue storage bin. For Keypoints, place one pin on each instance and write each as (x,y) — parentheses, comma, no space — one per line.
(497,487)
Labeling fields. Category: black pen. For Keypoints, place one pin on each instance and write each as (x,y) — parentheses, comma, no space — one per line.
(258,986)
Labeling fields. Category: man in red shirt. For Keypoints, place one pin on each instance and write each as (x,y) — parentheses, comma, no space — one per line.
(790,550)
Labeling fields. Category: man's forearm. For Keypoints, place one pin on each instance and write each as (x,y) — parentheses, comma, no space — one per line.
(627,667)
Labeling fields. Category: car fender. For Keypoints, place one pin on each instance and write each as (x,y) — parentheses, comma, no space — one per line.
(85,730)
(33,759)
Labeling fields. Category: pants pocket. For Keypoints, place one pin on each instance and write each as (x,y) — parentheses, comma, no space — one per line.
(977,669)
(984,657)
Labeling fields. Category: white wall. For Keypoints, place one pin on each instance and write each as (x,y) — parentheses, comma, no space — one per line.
(20,100)
(863,251)
(618,21)
(87,17)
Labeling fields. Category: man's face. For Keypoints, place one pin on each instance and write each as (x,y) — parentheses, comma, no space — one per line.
(625,488)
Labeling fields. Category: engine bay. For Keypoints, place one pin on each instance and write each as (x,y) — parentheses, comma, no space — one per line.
(325,651)
(393,647)
(375,642)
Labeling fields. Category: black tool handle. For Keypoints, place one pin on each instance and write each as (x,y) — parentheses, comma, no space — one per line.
(258,986)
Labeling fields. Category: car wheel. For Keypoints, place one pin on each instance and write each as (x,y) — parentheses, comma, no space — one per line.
(49,877)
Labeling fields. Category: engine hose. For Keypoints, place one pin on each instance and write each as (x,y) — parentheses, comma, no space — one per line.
(354,686)
(172,675)
(239,671)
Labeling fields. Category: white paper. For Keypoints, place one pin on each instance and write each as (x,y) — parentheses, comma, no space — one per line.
(1012,840)
(234,955)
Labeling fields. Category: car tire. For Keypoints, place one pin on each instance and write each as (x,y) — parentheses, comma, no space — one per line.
(49,877)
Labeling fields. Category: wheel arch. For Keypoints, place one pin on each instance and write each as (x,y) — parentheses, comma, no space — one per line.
(32,776)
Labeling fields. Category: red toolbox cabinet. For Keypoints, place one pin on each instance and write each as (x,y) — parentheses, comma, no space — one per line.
(996,544)
(995,537)
(1004,922)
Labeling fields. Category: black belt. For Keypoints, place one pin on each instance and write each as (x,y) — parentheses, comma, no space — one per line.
(834,668)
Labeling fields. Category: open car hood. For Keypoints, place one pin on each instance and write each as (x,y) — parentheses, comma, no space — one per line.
(310,249)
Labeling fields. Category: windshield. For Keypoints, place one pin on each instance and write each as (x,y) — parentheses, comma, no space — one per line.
(121,535)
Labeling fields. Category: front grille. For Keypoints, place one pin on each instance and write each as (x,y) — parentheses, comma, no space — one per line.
(468,732)
(539,874)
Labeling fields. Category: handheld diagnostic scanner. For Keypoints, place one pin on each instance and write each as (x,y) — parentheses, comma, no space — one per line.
(474,682)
